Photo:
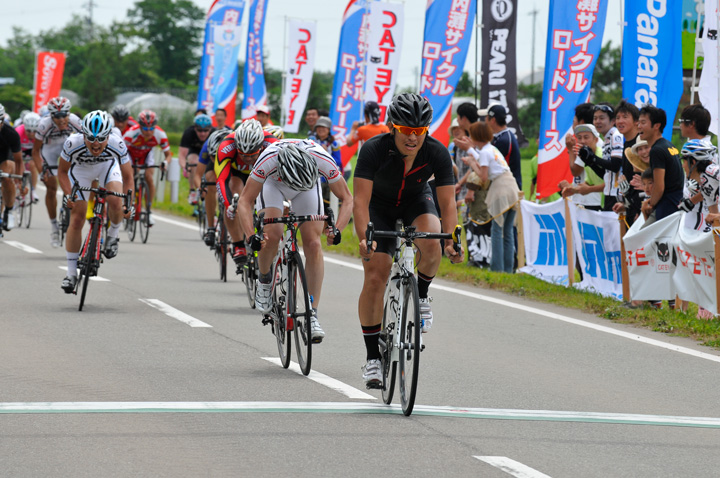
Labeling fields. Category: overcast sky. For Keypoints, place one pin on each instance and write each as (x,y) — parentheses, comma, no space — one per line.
(39,15)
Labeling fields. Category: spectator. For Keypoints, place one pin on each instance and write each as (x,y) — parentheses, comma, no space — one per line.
(695,151)
(311,117)
(458,149)
(695,122)
(586,189)
(220,118)
(502,196)
(583,115)
(262,113)
(638,158)
(322,136)
(200,111)
(372,126)
(505,141)
(467,114)
(668,177)
(629,199)
(647,179)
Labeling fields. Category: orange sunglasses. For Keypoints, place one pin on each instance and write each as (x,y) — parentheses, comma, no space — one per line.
(407,130)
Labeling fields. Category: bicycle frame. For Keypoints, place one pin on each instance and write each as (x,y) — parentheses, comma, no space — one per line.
(403,266)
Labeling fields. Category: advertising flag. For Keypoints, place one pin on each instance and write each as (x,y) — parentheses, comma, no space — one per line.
(651,67)
(448,28)
(49,68)
(546,247)
(254,91)
(219,65)
(708,80)
(299,72)
(383,54)
(499,70)
(575,31)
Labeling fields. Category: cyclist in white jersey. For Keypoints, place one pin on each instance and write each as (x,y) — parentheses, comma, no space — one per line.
(289,170)
(94,155)
(50,136)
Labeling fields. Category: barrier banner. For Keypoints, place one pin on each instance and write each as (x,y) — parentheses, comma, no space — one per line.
(299,72)
(383,53)
(448,28)
(254,91)
(219,64)
(651,258)
(708,88)
(574,39)
(546,254)
(346,106)
(651,67)
(49,68)
(596,238)
(694,276)
(499,70)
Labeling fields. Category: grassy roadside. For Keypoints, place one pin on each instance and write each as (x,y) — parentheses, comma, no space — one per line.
(526,286)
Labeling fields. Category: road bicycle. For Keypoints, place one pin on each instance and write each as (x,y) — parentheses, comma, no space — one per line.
(90,254)
(141,218)
(401,329)
(63,217)
(202,217)
(291,310)
(223,242)
(4,175)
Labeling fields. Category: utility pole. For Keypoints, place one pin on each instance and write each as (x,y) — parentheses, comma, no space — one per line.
(90,4)
(534,14)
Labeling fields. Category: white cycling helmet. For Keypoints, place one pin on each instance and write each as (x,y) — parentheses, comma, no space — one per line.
(297,168)
(249,136)
(59,106)
(699,150)
(275,130)
(2,112)
(97,125)
(31,121)
(214,140)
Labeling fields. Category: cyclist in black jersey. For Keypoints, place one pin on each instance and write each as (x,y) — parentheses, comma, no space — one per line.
(391,182)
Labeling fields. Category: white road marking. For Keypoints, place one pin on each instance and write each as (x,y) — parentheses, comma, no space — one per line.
(323,379)
(96,278)
(174,313)
(563,318)
(23,247)
(186,225)
(512,467)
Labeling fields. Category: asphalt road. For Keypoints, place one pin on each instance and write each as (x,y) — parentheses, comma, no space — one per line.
(507,387)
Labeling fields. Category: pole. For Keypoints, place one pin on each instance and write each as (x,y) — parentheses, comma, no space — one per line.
(284,74)
(625,274)
(520,233)
(534,14)
(698,45)
(477,38)
(569,243)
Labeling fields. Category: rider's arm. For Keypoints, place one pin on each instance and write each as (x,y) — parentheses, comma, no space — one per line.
(340,189)
(182,157)
(19,166)
(126,170)
(37,158)
(362,190)
(63,177)
(247,200)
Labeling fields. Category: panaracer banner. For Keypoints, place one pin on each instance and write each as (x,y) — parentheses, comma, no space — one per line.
(651,67)
(299,72)
(383,55)
(708,80)
(448,28)
(346,106)
(254,92)
(546,253)
(575,34)
(596,239)
(499,71)
(219,65)
(49,68)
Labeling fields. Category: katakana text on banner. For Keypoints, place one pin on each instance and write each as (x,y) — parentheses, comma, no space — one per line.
(575,34)
(219,65)
(254,91)
(49,68)
(651,67)
(448,28)
(299,72)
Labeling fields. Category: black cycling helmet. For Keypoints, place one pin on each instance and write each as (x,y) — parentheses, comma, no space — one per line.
(120,113)
(409,109)
(372,111)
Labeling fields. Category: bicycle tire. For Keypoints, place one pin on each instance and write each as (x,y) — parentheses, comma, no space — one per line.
(202,218)
(301,312)
(28,209)
(249,276)
(19,212)
(282,334)
(88,259)
(410,337)
(144,223)
(389,368)
(64,219)
(223,250)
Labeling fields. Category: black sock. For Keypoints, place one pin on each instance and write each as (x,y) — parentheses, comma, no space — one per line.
(423,284)
(238,244)
(265,278)
(371,334)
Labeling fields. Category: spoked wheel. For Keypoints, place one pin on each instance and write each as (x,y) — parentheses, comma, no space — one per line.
(144,224)
(410,346)
(221,250)
(63,222)
(88,262)
(202,219)
(134,219)
(299,309)
(281,324)
(389,368)
(249,276)
(27,209)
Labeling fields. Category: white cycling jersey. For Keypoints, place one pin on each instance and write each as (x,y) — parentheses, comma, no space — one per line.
(74,151)
(266,167)
(710,184)
(53,138)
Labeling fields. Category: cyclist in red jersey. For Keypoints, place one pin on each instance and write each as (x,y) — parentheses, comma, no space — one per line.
(236,157)
(140,141)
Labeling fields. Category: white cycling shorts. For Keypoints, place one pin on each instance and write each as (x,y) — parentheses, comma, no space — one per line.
(303,202)
(84,174)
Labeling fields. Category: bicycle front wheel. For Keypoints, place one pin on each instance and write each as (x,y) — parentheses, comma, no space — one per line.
(386,342)
(221,250)
(280,312)
(202,219)
(301,313)
(88,259)
(27,213)
(64,221)
(249,276)
(409,345)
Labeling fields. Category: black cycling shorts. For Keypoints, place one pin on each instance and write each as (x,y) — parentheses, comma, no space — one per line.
(239,174)
(384,218)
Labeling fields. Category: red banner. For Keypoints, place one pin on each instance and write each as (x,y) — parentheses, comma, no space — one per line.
(49,69)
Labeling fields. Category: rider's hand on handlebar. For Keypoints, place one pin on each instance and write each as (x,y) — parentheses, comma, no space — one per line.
(67,201)
(364,252)
(333,236)
(230,213)
(455,256)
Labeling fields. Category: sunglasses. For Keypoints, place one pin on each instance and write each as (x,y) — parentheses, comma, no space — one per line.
(151,128)
(96,139)
(248,155)
(605,108)
(684,121)
(59,115)
(202,130)
(407,130)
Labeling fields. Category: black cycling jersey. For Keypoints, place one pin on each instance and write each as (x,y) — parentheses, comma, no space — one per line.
(191,141)
(9,141)
(381,162)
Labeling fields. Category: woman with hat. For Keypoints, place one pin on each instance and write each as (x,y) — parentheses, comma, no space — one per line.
(631,188)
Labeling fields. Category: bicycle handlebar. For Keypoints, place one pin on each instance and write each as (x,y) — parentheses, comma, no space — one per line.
(409,234)
(145,166)
(102,192)
(4,175)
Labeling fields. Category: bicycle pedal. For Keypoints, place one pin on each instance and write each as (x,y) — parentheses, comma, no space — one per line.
(374,385)
(267,320)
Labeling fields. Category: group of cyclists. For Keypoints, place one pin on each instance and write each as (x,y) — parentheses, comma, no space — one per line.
(266,171)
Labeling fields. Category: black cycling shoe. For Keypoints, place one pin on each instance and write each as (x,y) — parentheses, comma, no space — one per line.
(209,237)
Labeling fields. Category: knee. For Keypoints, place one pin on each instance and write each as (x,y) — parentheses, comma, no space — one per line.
(312,247)
(77,221)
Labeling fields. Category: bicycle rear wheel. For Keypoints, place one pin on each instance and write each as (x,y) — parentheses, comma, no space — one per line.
(221,250)
(410,346)
(27,213)
(386,342)
(280,312)
(249,276)
(301,312)
(202,218)
(63,222)
(88,260)
(144,224)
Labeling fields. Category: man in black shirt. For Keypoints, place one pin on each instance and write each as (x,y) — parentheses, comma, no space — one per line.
(390,183)
(191,143)
(668,175)
(9,148)
(505,141)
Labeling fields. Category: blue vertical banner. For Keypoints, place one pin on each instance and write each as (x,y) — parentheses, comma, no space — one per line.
(651,67)
(217,87)
(254,91)
(575,33)
(448,29)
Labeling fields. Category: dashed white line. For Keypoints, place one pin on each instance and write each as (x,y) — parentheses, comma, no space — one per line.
(96,278)
(174,313)
(23,247)
(160,218)
(322,379)
(512,467)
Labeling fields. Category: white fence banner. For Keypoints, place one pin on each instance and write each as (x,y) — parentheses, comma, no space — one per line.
(545,241)
(694,276)
(596,238)
(299,72)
